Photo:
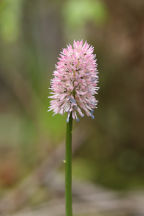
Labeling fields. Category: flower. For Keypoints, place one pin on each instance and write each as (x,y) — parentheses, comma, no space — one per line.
(75,81)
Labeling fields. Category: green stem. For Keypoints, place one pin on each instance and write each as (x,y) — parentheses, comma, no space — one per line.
(68,168)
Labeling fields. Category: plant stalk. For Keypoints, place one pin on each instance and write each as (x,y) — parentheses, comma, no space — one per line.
(68,168)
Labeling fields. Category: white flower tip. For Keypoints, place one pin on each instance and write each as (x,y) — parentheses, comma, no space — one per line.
(77,119)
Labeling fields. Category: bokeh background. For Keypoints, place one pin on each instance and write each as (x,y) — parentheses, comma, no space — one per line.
(108,157)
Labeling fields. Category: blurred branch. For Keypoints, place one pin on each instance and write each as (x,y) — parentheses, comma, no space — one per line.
(89,199)
(19,196)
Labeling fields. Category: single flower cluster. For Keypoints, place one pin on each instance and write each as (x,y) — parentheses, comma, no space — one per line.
(75,81)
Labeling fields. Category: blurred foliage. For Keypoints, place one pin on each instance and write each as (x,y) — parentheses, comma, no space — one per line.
(10,12)
(32,33)
(77,14)
(83,169)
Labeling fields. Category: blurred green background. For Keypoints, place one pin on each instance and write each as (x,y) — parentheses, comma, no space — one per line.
(32,34)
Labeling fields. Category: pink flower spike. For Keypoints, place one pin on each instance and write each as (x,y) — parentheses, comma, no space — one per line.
(74,84)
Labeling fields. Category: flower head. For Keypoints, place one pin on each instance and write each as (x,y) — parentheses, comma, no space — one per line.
(75,81)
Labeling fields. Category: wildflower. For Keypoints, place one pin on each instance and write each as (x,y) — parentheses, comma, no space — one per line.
(75,81)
